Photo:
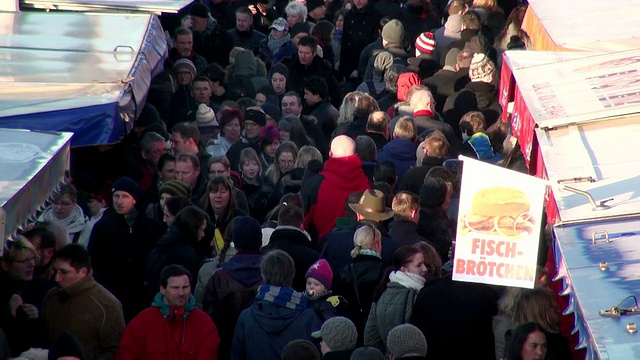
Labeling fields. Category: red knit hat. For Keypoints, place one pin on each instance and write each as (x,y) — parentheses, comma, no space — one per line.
(321,271)
(425,44)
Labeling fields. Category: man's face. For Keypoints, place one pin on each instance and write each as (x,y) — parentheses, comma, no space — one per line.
(243,22)
(66,275)
(186,173)
(252,129)
(291,106)
(168,171)
(184,44)
(311,98)
(360,3)
(21,268)
(180,144)
(152,156)
(201,91)
(178,290)
(94,206)
(123,202)
(305,55)
(199,24)
(44,254)
(318,13)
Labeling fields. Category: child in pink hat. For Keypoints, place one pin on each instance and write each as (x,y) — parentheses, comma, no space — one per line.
(318,290)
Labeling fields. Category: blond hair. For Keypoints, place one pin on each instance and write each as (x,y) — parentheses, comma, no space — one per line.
(405,129)
(405,203)
(19,245)
(365,238)
(306,154)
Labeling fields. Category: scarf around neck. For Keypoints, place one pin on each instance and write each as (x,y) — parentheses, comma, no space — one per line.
(408,280)
(274,45)
(283,296)
(75,223)
(369,252)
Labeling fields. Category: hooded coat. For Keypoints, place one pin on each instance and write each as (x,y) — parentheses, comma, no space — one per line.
(265,328)
(230,290)
(401,152)
(325,194)
(298,245)
(168,332)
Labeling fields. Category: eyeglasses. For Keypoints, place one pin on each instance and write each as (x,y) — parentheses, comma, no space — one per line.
(26,260)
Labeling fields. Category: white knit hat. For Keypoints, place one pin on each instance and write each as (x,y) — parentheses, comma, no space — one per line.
(205,116)
(482,69)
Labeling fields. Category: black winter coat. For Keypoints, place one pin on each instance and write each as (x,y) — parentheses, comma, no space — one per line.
(249,40)
(475,96)
(338,245)
(405,232)
(214,44)
(447,311)
(363,272)
(299,74)
(175,247)
(445,83)
(360,29)
(414,178)
(295,243)
(119,254)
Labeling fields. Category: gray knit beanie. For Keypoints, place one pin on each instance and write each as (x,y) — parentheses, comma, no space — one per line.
(393,32)
(406,339)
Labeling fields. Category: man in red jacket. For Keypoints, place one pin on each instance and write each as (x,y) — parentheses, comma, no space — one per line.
(172,328)
(324,195)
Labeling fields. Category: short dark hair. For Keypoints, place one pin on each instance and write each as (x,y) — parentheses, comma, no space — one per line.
(201,79)
(175,204)
(366,148)
(173,271)
(187,130)
(277,268)
(300,350)
(293,93)
(385,171)
(244,10)
(317,86)
(189,219)
(77,256)
(47,239)
(290,215)
(165,158)
(309,41)
(518,338)
(215,73)
(186,157)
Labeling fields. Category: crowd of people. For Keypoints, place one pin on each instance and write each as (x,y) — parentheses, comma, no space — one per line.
(289,191)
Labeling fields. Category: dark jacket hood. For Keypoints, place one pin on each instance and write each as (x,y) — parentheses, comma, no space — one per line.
(486,93)
(244,268)
(272,318)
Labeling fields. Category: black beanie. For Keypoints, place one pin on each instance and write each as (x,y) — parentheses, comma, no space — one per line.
(65,344)
(247,234)
(127,185)
(199,10)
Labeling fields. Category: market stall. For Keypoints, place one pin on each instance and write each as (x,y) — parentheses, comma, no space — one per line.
(83,73)
(32,166)
(147,6)
(579,117)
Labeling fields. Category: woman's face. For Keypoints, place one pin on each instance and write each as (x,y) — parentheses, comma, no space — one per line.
(219,198)
(270,150)
(250,170)
(340,22)
(232,130)
(167,218)
(416,265)
(286,161)
(535,347)
(279,83)
(293,19)
(260,99)
(63,207)
(168,171)
(285,135)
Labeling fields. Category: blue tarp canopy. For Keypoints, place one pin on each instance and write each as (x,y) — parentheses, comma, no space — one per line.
(83,73)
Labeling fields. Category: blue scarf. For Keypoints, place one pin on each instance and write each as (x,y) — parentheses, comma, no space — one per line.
(283,296)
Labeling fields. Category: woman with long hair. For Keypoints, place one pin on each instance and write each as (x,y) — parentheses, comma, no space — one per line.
(258,193)
(269,141)
(394,298)
(539,306)
(297,132)
(285,158)
(528,342)
(180,245)
(220,204)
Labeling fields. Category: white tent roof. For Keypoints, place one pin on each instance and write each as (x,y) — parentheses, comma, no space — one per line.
(149,6)
(591,25)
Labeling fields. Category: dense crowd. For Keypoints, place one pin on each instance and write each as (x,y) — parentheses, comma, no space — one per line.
(289,191)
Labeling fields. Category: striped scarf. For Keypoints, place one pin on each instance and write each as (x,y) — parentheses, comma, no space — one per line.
(283,296)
